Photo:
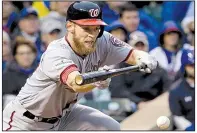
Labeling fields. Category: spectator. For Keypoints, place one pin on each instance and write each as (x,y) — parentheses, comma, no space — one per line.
(190,11)
(137,86)
(50,31)
(20,68)
(182,98)
(129,17)
(27,4)
(60,7)
(29,28)
(154,9)
(59,12)
(9,17)
(111,11)
(188,26)
(7,56)
(139,40)
(117,30)
(169,53)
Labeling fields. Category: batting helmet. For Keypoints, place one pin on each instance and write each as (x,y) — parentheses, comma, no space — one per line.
(86,13)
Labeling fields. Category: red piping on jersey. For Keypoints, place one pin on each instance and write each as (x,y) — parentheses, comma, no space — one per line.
(66,72)
(11,119)
(73,49)
(128,55)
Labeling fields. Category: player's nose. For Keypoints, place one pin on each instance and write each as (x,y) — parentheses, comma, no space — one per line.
(92,35)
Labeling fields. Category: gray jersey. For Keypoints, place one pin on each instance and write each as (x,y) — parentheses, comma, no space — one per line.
(44,94)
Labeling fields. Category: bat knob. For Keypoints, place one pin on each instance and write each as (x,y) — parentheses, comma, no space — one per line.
(79,79)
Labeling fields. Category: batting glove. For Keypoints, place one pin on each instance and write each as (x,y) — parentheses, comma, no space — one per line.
(147,62)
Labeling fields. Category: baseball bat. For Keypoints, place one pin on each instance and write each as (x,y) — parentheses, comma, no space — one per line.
(95,76)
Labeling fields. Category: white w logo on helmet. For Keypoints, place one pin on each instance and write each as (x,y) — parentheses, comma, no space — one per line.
(94,12)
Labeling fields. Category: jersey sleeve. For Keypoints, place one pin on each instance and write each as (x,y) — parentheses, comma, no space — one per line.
(116,50)
(56,63)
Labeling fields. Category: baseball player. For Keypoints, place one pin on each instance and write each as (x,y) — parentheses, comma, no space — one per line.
(48,99)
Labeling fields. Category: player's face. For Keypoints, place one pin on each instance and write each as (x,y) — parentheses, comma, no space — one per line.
(85,37)
(24,56)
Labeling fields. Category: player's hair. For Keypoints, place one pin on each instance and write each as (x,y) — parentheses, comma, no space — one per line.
(127,7)
(20,40)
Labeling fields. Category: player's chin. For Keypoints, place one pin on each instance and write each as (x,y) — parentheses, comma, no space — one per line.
(89,50)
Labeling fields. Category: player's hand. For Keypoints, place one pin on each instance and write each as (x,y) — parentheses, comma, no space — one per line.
(103,84)
(144,59)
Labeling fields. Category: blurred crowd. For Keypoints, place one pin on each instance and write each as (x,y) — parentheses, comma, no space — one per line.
(164,29)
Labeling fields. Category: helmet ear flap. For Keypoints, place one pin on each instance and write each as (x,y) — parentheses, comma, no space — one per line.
(101,32)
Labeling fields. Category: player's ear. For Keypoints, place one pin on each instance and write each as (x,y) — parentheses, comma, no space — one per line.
(70,27)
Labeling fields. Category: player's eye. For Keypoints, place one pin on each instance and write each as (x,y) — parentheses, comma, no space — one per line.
(98,28)
(86,28)
(91,29)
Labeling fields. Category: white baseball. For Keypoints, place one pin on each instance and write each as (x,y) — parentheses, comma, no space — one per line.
(163,122)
